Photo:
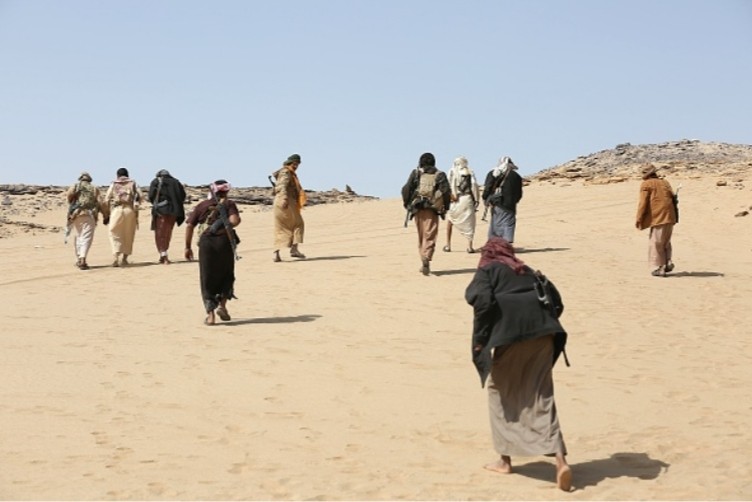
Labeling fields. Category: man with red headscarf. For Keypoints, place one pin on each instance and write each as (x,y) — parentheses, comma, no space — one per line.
(517,339)
(216,255)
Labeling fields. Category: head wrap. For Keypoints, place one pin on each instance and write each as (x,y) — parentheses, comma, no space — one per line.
(122,172)
(292,159)
(162,172)
(504,164)
(498,250)
(648,170)
(460,162)
(426,160)
(219,186)
(85,177)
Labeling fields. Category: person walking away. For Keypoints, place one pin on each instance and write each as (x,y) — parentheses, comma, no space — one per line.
(123,198)
(425,196)
(85,203)
(516,341)
(289,199)
(502,191)
(656,210)
(167,197)
(465,198)
(216,255)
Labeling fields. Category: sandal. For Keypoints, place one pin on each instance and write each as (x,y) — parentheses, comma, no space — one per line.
(297,254)
(223,314)
(471,250)
(446,249)
(208,322)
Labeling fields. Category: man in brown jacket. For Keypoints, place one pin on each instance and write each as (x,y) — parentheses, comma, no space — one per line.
(656,211)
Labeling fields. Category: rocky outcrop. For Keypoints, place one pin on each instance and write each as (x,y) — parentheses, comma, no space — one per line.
(20,203)
(685,158)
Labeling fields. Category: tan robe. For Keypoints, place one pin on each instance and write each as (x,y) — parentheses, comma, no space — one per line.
(289,227)
(123,222)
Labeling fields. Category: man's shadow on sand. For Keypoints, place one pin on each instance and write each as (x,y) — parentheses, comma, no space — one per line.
(593,472)
(272,320)
(439,273)
(695,274)
(323,258)
(538,250)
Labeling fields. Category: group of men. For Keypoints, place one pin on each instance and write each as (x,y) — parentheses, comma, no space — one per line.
(429,194)
(119,208)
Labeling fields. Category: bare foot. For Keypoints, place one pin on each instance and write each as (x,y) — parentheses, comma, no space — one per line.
(503,465)
(210,319)
(564,478)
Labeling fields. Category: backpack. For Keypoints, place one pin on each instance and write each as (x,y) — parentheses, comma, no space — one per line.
(426,194)
(87,196)
(123,193)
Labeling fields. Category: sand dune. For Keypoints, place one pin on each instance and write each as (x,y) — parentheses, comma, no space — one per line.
(348,375)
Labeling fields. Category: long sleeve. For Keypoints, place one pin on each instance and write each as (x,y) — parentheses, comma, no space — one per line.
(281,189)
(643,208)
(442,184)
(475,188)
(480,295)
(407,189)
(488,186)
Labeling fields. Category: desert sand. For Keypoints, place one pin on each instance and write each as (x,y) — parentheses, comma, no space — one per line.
(347,376)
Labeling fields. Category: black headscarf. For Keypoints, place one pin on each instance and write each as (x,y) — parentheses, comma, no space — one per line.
(427,160)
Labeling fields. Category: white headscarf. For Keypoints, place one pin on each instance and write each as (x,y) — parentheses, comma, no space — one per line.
(460,165)
(504,164)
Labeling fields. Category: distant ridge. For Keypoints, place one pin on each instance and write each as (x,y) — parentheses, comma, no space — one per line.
(684,158)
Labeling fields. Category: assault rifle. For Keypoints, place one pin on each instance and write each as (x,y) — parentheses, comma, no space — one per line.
(156,204)
(496,186)
(224,221)
(409,207)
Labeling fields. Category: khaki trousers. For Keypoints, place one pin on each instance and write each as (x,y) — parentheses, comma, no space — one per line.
(427,223)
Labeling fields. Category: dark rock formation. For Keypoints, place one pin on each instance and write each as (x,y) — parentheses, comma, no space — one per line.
(685,158)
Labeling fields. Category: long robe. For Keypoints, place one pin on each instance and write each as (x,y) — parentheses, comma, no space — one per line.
(289,227)
(461,213)
(215,257)
(123,215)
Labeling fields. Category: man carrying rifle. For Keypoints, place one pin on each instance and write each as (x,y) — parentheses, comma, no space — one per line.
(85,203)
(501,192)
(167,197)
(216,218)
(426,196)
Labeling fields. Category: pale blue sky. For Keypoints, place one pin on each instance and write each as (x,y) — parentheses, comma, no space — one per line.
(228,89)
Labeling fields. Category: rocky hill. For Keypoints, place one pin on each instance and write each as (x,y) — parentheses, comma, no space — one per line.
(686,158)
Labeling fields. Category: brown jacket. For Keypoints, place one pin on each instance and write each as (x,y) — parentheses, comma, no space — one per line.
(656,206)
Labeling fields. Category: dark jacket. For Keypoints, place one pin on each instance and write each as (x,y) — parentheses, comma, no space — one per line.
(171,198)
(409,188)
(506,310)
(511,191)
